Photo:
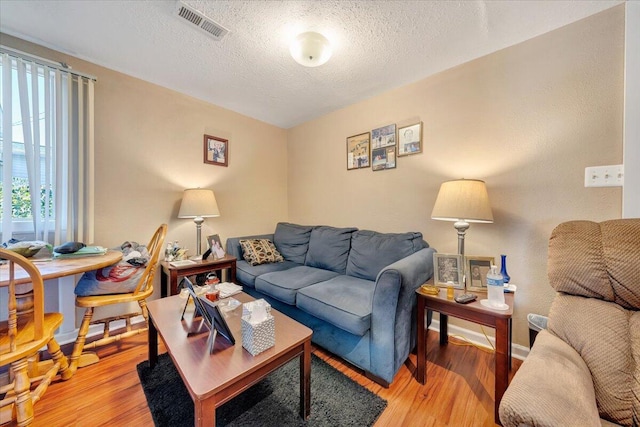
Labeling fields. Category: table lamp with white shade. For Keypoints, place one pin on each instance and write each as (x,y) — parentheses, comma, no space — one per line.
(462,201)
(198,203)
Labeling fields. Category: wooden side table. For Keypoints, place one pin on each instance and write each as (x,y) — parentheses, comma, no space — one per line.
(472,312)
(171,274)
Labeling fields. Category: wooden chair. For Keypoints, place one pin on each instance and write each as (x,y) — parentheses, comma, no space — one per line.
(143,290)
(22,335)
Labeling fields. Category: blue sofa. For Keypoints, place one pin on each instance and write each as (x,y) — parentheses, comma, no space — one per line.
(354,288)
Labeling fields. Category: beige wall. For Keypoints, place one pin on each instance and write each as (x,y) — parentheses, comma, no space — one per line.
(527,120)
(149,148)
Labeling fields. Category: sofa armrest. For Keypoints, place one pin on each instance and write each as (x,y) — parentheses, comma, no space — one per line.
(553,387)
(393,314)
(233,244)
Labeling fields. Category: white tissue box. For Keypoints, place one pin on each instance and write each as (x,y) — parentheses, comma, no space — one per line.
(258,337)
(247,307)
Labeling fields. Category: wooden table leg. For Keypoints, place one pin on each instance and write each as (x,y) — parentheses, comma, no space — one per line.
(153,343)
(421,369)
(305,381)
(205,412)
(444,329)
(502,364)
(164,287)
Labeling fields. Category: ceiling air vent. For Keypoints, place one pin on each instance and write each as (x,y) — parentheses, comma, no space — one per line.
(198,19)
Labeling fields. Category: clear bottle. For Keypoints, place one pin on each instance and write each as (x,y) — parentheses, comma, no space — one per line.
(495,287)
(168,253)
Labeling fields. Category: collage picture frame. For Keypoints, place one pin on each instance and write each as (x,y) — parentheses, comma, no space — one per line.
(448,270)
(358,151)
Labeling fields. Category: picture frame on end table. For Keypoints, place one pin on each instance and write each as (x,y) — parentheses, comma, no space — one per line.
(410,140)
(215,245)
(358,151)
(476,268)
(448,269)
(216,150)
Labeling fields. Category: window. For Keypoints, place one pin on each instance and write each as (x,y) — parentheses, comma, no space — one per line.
(46,151)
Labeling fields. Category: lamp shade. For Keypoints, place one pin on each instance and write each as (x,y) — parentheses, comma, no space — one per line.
(310,49)
(463,199)
(198,202)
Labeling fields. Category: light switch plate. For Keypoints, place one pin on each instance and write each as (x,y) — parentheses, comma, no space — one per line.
(604,176)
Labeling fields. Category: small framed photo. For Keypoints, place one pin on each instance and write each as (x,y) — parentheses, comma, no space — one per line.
(476,269)
(216,150)
(358,150)
(410,140)
(448,269)
(216,246)
(383,137)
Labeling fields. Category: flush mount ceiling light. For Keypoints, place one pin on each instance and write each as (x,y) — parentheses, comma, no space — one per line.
(311,49)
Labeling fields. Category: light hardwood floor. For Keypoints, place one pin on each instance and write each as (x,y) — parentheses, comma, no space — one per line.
(459,389)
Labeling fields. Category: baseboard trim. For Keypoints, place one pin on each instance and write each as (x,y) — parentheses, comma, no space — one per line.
(518,351)
(95,330)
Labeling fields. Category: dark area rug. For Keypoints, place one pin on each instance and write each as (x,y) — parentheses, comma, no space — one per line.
(336,400)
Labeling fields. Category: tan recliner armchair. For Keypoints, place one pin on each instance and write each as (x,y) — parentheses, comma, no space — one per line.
(584,370)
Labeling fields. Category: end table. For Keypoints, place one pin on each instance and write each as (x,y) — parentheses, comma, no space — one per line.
(472,312)
(171,274)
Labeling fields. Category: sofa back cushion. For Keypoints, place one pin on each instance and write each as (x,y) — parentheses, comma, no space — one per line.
(329,248)
(372,251)
(292,241)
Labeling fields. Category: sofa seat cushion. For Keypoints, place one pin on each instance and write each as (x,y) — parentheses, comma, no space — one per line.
(344,301)
(283,285)
(372,251)
(247,273)
(292,241)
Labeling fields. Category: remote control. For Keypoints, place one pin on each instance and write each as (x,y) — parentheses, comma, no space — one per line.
(466,298)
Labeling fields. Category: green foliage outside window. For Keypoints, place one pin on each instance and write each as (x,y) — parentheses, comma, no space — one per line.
(21,201)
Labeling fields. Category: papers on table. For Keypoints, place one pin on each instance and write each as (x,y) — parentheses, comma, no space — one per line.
(182,263)
(86,251)
(227,289)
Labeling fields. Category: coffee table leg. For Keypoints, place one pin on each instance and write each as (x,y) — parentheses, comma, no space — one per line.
(153,343)
(305,381)
(204,413)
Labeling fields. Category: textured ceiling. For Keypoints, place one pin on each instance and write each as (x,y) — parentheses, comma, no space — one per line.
(377,45)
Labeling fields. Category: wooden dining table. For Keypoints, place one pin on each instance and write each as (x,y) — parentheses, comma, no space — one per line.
(59,279)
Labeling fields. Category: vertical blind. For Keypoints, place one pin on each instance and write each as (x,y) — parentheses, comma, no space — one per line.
(47,124)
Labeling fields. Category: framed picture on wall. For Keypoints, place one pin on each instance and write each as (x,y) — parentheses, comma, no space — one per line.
(383,148)
(358,150)
(476,269)
(448,270)
(410,139)
(216,150)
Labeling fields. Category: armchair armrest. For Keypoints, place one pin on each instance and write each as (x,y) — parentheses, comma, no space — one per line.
(553,387)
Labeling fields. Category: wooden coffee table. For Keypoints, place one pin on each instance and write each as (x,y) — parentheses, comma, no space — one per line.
(213,379)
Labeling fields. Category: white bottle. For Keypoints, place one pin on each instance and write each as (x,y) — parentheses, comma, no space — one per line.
(495,287)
